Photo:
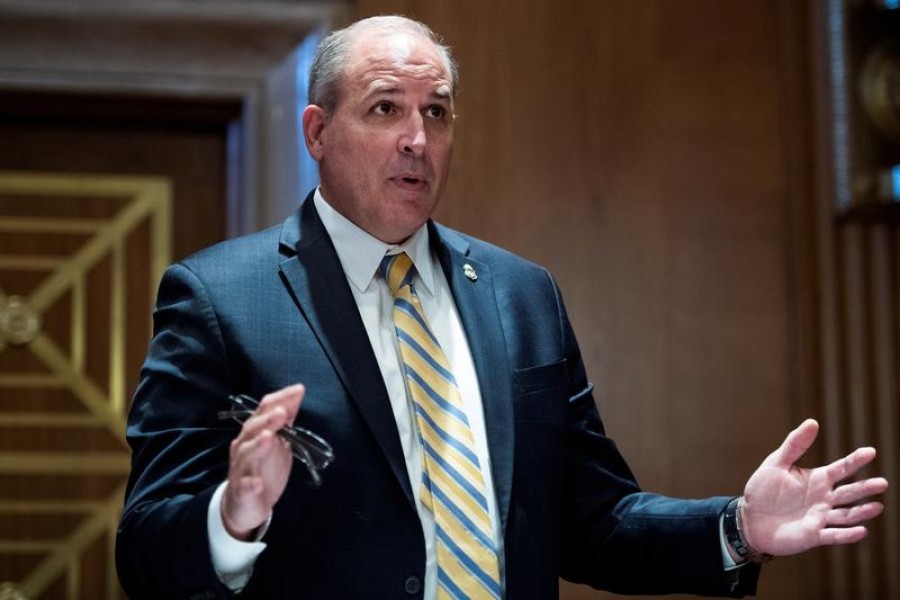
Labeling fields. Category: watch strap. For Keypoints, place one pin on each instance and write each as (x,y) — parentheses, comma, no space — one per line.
(732,525)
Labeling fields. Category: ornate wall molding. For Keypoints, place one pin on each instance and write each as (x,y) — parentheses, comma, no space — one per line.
(188,49)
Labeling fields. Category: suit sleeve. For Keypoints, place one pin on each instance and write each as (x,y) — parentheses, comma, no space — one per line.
(179,448)
(618,538)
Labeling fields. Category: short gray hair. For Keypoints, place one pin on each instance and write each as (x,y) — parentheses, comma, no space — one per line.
(332,52)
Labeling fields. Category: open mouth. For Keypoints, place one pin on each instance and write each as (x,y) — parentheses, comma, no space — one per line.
(410,182)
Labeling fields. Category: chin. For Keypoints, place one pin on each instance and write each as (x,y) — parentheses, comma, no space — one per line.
(411,212)
(399,230)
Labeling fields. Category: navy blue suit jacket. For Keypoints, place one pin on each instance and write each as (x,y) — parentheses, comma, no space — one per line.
(257,313)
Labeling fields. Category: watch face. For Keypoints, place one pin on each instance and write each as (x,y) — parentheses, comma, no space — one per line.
(880,88)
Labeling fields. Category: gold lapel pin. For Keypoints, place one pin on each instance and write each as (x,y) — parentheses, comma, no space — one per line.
(469,271)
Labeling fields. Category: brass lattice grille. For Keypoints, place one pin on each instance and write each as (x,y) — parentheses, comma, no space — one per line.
(80,256)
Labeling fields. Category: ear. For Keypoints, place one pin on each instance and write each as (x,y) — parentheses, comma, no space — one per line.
(314,130)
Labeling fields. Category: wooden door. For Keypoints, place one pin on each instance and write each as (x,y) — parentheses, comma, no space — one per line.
(97,195)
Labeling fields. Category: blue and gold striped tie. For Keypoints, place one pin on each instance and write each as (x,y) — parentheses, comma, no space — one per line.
(453,487)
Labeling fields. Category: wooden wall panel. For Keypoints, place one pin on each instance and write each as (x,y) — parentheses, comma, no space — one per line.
(857,274)
(651,154)
(867,265)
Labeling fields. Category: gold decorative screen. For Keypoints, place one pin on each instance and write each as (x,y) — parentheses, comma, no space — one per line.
(80,257)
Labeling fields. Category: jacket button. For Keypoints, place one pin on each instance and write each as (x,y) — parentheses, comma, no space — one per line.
(412,585)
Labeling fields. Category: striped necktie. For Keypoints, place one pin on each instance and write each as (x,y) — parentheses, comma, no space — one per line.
(452,483)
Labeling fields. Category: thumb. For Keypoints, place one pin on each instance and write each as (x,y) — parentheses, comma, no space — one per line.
(794,446)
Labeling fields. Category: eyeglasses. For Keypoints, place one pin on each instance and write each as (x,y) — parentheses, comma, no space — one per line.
(307,447)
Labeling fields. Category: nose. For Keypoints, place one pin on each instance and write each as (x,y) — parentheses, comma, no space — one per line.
(412,139)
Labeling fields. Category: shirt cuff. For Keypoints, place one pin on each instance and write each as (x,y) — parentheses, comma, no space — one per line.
(232,559)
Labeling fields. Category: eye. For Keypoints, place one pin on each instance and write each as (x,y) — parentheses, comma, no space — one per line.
(435,112)
(383,108)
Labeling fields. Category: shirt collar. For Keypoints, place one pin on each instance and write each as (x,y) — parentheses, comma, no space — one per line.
(360,253)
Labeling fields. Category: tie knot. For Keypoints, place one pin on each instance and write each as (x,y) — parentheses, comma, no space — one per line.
(398,270)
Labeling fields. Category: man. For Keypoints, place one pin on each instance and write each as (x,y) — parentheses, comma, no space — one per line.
(470,458)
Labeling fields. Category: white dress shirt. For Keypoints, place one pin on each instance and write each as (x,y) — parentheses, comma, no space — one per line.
(360,255)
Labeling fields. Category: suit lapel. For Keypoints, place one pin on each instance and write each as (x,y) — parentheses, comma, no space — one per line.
(313,274)
(476,303)
(318,285)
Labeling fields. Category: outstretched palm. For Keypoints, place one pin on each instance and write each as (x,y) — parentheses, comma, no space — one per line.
(788,509)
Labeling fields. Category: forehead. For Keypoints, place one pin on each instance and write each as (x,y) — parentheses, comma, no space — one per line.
(387,57)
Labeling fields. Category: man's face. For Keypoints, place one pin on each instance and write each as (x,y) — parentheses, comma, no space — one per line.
(384,152)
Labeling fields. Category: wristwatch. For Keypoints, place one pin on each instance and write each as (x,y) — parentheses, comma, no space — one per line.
(734,535)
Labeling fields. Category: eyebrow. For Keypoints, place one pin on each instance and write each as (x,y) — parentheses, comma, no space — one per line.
(442,93)
(384,89)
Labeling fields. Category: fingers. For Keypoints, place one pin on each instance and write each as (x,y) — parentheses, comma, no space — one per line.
(794,446)
(288,399)
(250,450)
(258,436)
(275,411)
(258,442)
(261,421)
(849,465)
(260,463)
(852,493)
(854,515)
(838,536)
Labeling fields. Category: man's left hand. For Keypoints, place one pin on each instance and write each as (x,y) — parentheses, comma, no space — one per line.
(788,509)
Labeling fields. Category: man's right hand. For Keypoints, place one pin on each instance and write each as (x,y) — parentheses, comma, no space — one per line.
(259,464)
